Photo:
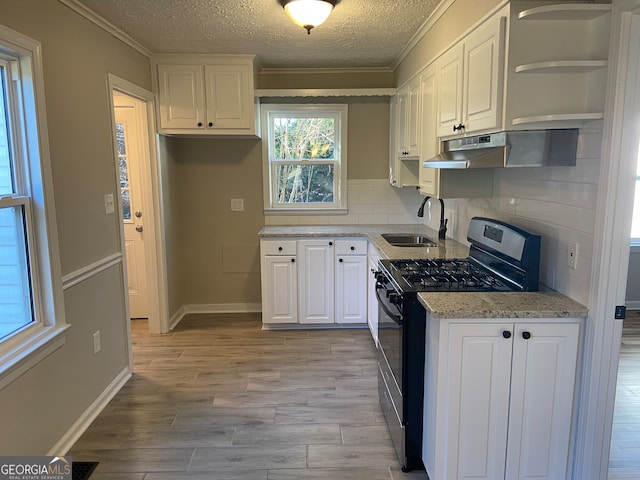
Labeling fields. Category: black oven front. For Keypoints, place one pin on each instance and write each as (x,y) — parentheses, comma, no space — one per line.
(401,326)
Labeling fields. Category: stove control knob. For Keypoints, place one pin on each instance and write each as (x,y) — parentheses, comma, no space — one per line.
(394,298)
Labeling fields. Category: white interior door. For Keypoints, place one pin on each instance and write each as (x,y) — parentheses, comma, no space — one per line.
(129,155)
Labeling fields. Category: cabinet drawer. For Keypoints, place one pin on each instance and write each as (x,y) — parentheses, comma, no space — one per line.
(278,247)
(351,247)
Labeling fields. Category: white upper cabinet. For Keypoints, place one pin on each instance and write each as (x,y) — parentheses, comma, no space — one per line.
(449,91)
(212,97)
(470,77)
(483,74)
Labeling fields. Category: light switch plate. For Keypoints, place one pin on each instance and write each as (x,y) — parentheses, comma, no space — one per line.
(109,204)
(237,204)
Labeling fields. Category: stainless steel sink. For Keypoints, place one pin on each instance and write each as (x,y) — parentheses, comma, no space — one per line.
(408,240)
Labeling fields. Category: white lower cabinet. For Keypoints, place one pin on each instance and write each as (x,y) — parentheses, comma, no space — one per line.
(317,281)
(316,276)
(498,398)
(351,289)
(372,301)
(279,282)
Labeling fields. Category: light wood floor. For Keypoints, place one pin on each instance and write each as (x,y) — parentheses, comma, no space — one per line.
(624,460)
(220,399)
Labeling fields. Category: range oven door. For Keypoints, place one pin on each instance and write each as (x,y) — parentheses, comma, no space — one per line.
(390,344)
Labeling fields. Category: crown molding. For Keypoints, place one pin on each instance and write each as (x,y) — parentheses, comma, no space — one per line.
(106,26)
(422,31)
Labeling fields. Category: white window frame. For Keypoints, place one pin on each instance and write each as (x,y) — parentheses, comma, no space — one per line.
(20,351)
(339,112)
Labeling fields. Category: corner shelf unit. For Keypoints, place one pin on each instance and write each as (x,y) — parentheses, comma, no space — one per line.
(570,57)
(570,11)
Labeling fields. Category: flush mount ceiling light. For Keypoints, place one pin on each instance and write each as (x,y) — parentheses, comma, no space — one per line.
(308,13)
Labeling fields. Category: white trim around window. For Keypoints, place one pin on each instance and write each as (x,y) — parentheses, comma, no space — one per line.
(33,192)
(332,197)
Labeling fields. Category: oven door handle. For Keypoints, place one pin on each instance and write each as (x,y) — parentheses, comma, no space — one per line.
(396,317)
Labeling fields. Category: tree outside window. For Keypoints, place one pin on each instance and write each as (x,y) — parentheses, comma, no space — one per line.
(304,157)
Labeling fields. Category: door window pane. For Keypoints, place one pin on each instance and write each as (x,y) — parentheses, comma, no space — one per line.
(124,171)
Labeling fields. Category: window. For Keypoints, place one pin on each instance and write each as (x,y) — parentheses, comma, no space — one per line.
(635,223)
(31,314)
(305,164)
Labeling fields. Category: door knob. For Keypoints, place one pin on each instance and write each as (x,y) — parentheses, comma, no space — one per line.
(139,228)
(138,213)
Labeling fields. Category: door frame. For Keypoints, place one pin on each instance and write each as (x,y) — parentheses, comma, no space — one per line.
(614,211)
(155,245)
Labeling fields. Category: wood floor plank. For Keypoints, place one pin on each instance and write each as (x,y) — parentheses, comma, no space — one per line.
(221,399)
(249,458)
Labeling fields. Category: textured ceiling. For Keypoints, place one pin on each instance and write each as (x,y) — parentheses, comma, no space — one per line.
(359,33)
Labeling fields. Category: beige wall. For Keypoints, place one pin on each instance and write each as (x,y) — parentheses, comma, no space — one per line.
(40,407)
(215,250)
(340,78)
(458,18)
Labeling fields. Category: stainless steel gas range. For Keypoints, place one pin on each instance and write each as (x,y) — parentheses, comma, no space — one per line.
(502,258)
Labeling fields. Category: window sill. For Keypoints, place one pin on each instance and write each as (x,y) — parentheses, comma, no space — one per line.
(307,211)
(18,360)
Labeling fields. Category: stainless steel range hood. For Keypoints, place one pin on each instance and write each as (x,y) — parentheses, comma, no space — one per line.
(522,148)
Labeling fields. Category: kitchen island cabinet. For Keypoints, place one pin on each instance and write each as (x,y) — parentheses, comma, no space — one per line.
(499,392)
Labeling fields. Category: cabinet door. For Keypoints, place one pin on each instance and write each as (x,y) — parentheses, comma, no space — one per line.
(483,76)
(542,392)
(429,143)
(477,400)
(372,301)
(393,141)
(181,96)
(316,276)
(450,91)
(351,289)
(402,148)
(279,289)
(229,97)
(413,119)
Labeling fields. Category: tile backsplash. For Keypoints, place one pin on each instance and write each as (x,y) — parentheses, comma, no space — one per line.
(370,202)
(559,203)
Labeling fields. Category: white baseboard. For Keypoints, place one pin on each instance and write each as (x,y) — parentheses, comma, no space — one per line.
(635,305)
(90,414)
(213,308)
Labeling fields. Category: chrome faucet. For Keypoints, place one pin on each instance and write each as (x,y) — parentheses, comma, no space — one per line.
(442,231)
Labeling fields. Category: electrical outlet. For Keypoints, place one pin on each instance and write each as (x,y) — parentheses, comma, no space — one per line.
(572,255)
(96,342)
(237,204)
(109,204)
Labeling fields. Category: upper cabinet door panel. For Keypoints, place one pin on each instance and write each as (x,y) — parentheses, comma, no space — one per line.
(181,96)
(483,76)
(228,96)
(450,91)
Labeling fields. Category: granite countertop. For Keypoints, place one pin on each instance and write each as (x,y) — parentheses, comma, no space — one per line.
(447,248)
(501,305)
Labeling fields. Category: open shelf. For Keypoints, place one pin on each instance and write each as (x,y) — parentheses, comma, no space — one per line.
(577,11)
(562,66)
